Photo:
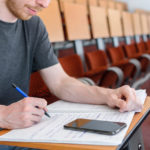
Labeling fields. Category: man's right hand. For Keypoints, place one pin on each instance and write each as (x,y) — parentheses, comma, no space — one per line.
(23,113)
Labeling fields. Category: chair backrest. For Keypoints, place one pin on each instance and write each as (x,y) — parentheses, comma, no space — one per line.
(149,23)
(99,24)
(142,47)
(62,1)
(116,54)
(92,3)
(111,4)
(144,24)
(114,18)
(103,3)
(148,45)
(127,24)
(39,89)
(72,65)
(130,50)
(84,2)
(53,22)
(96,59)
(121,6)
(76,21)
(137,24)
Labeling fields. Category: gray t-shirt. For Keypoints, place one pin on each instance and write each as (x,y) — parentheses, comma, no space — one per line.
(24,48)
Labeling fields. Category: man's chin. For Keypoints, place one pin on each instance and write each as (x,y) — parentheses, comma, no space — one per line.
(25,18)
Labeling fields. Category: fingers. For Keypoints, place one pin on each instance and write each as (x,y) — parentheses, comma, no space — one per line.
(132,103)
(127,92)
(39,102)
(115,101)
(125,99)
(34,106)
(35,119)
(29,120)
(31,116)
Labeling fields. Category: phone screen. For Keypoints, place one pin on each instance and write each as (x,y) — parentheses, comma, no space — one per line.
(103,127)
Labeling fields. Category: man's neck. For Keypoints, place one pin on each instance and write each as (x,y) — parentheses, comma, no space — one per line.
(5,14)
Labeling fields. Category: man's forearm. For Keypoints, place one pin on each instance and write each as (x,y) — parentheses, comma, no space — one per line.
(75,91)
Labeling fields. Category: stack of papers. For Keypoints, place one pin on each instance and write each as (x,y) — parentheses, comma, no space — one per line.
(51,129)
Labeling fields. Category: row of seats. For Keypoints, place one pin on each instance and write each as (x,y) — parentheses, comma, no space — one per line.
(108,67)
(97,63)
(76,22)
(102,3)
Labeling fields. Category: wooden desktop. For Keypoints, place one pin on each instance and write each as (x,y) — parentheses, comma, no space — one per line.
(137,120)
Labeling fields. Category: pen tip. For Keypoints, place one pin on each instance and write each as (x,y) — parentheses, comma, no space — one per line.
(47,114)
(13,85)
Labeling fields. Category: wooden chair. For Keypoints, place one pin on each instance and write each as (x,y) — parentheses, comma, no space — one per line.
(99,24)
(115,26)
(62,1)
(121,6)
(83,2)
(132,52)
(127,24)
(39,89)
(144,24)
(142,47)
(148,46)
(76,21)
(103,3)
(118,59)
(149,22)
(73,66)
(98,59)
(136,24)
(111,4)
(92,3)
(109,76)
(53,22)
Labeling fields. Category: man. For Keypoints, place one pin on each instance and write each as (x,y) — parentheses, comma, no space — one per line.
(25,48)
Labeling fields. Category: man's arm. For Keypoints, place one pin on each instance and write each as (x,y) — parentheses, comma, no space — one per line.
(70,89)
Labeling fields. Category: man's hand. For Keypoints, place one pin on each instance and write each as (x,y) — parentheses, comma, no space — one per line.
(125,99)
(23,113)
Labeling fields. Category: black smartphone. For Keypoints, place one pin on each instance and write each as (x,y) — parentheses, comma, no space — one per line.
(98,126)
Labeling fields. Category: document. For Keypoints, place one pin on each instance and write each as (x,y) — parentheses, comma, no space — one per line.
(51,130)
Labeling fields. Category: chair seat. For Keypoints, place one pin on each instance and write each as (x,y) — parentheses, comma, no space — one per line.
(96,71)
(121,62)
(137,55)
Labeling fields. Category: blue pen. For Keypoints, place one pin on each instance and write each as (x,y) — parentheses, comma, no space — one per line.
(25,95)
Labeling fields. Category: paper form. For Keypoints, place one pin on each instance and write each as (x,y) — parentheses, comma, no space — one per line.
(52,130)
(64,106)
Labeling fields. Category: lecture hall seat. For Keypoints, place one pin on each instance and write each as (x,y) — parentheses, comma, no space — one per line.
(148,46)
(142,47)
(132,52)
(97,60)
(39,89)
(118,59)
(72,65)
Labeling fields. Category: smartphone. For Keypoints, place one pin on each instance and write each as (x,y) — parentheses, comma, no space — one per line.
(98,126)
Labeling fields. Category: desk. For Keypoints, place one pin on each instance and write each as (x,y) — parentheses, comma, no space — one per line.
(137,120)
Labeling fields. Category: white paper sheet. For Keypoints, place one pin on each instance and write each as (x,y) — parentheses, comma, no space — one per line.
(52,130)
(64,106)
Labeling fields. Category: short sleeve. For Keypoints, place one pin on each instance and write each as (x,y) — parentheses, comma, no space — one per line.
(43,52)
